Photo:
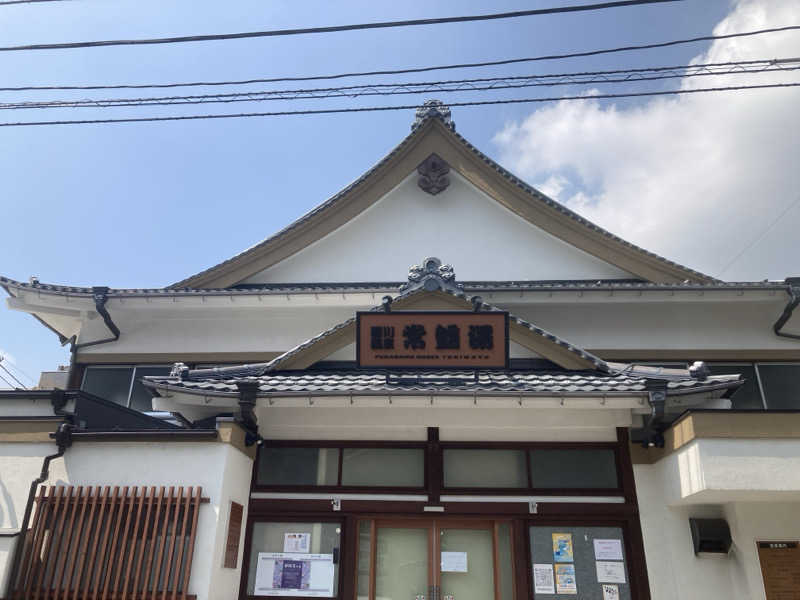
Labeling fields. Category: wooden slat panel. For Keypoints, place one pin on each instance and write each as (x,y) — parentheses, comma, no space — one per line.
(163,532)
(84,542)
(181,541)
(74,501)
(92,566)
(27,552)
(123,543)
(187,569)
(78,533)
(126,582)
(152,547)
(115,517)
(40,580)
(169,558)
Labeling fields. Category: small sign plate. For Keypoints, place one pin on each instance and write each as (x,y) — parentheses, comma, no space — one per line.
(432,339)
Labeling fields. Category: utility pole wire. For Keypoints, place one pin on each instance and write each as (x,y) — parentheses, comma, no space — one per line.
(401,107)
(393,89)
(28,1)
(15,367)
(10,374)
(408,70)
(760,236)
(335,28)
(6,380)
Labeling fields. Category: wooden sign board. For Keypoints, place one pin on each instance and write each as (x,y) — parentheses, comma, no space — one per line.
(432,339)
(780,567)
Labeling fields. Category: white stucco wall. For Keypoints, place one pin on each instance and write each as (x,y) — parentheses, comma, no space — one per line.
(461,225)
(223,472)
(675,573)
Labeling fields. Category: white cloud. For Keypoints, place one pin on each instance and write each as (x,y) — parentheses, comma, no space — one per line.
(696,178)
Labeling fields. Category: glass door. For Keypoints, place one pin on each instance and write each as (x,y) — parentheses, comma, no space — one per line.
(441,559)
(466,561)
(402,565)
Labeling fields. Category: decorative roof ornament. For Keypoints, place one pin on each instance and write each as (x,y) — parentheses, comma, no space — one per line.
(432,275)
(433,176)
(433,109)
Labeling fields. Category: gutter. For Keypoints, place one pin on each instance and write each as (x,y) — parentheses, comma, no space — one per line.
(793,290)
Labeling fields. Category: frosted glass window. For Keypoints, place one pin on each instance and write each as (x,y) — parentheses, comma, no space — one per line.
(298,466)
(269,537)
(395,467)
(110,383)
(583,468)
(467,468)
(781,385)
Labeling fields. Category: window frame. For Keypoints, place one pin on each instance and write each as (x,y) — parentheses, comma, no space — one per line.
(531,489)
(341,446)
(131,383)
(433,481)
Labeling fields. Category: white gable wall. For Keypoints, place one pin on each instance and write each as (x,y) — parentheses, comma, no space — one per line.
(461,225)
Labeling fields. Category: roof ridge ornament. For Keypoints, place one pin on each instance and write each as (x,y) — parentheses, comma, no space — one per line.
(432,275)
(433,109)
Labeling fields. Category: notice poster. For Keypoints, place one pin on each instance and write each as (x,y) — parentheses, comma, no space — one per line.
(297,542)
(565,579)
(608,549)
(610,572)
(454,562)
(562,547)
(294,574)
(610,591)
(543,582)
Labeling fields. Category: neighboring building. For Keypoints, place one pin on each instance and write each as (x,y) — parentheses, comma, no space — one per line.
(310,418)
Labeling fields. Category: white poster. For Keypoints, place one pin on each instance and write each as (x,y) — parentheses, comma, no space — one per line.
(543,581)
(293,574)
(610,572)
(297,542)
(610,591)
(608,549)
(454,562)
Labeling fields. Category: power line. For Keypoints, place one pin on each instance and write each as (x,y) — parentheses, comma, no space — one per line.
(7,383)
(15,367)
(22,385)
(335,28)
(27,1)
(401,107)
(760,236)
(409,70)
(391,89)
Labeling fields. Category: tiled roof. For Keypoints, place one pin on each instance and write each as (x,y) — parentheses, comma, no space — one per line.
(485,159)
(410,382)
(391,286)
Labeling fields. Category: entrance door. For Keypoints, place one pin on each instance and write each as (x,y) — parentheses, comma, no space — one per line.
(441,559)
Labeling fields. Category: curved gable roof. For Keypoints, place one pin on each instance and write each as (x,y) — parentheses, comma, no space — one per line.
(433,136)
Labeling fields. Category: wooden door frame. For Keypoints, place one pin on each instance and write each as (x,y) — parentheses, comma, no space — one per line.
(434,525)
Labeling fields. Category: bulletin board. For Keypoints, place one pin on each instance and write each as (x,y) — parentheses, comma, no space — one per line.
(583,552)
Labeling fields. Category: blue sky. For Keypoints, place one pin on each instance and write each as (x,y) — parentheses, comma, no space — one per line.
(144,205)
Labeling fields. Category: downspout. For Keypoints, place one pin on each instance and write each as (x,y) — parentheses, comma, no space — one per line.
(793,290)
(248,391)
(63,439)
(100,296)
(657,397)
